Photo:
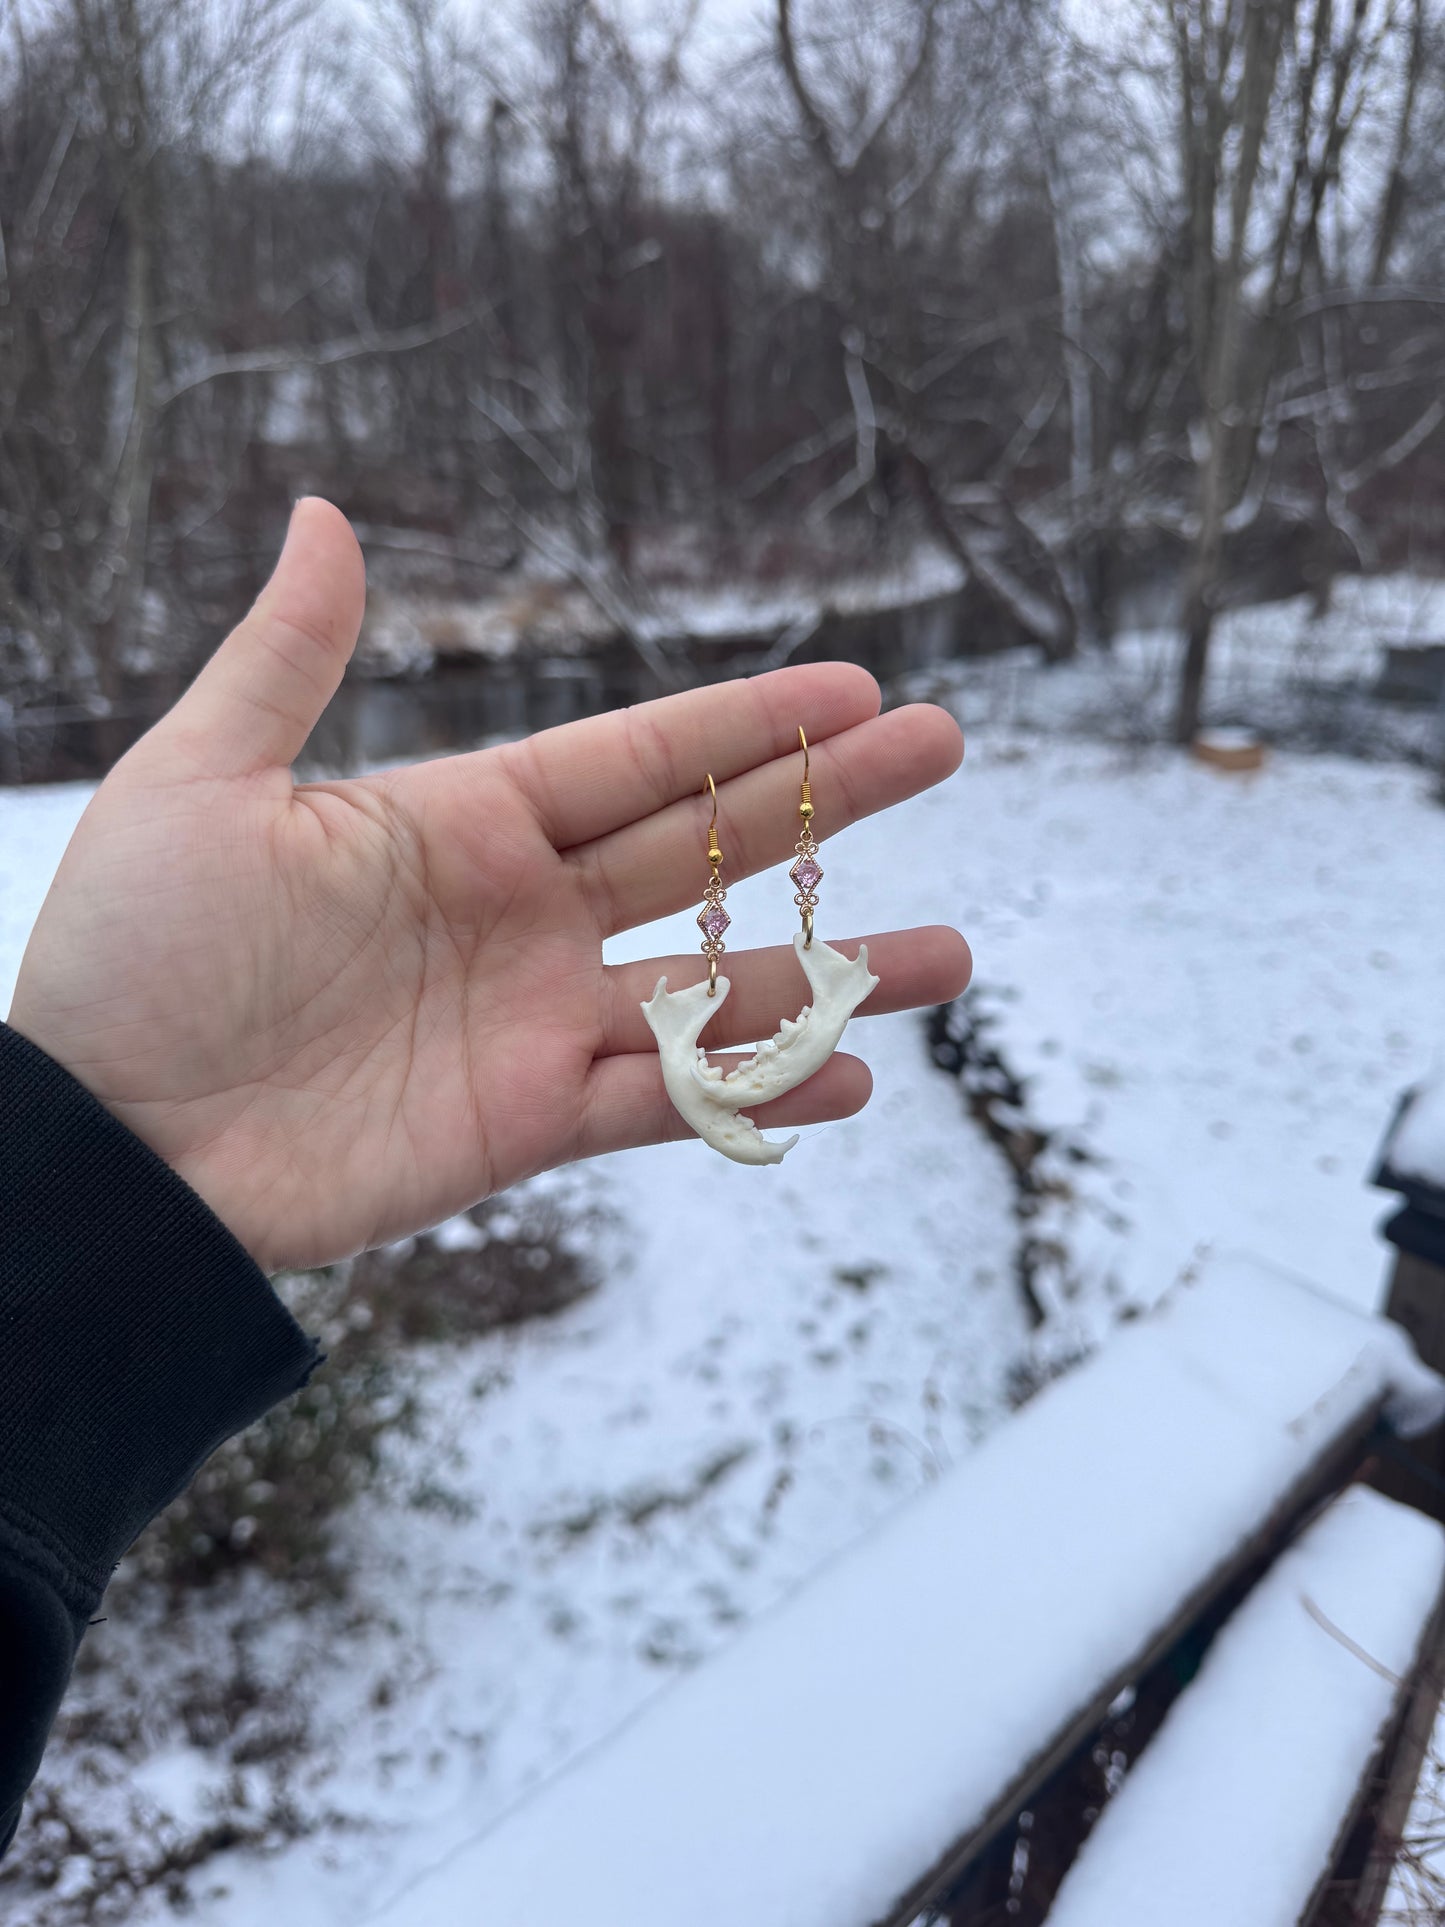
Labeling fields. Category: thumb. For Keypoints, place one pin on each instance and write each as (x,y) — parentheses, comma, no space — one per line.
(260,695)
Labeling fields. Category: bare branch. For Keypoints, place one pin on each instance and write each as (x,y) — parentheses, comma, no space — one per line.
(1392,204)
(324,354)
(865,434)
(1399,450)
(815,123)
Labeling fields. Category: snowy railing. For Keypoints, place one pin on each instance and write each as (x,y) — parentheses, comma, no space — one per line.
(859,1748)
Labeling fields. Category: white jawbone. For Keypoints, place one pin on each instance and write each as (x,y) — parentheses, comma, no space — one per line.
(710,1101)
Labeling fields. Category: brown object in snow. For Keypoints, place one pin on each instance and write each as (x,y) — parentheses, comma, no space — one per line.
(1229,749)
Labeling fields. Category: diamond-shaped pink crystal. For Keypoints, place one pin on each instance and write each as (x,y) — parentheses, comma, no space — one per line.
(806,874)
(713,921)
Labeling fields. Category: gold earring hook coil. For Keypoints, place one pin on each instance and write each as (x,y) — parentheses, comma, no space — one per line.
(805,807)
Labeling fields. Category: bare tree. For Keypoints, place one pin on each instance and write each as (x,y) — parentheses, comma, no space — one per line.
(1267,97)
(594,106)
(112,94)
(941,273)
(885,109)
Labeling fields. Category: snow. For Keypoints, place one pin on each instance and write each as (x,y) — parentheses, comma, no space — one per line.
(1221,988)
(533,613)
(1218,988)
(646,1471)
(35,826)
(1226,739)
(1417,1148)
(1345,643)
(733,611)
(853,1735)
(1276,669)
(1235,1809)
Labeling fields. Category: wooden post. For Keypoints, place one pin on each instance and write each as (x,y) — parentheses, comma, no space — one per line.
(1415,1470)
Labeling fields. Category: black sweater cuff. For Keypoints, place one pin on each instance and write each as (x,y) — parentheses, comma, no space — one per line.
(136,1333)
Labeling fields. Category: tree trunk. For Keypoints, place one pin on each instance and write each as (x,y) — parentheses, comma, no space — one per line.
(1198,627)
(123,547)
(1201,586)
(1077,569)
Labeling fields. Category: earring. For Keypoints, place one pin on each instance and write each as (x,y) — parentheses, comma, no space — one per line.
(712,919)
(710,1099)
(807,872)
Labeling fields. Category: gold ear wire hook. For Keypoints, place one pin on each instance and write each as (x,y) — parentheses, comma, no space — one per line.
(714,854)
(805,808)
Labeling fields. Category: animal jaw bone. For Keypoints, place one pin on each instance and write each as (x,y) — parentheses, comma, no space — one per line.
(804,1044)
(710,1101)
(677,1018)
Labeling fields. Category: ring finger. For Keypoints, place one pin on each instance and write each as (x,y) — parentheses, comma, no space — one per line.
(915,967)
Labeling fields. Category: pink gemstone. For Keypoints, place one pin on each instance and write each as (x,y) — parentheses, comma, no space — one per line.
(806,874)
(714,920)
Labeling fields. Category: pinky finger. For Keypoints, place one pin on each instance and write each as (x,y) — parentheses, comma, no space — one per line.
(627,1104)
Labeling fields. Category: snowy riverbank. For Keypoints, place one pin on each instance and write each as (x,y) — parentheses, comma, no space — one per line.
(1218,984)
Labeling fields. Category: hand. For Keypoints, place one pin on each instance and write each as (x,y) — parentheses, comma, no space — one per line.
(345,1010)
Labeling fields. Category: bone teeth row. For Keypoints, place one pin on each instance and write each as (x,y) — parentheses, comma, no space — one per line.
(768,1048)
(786,1034)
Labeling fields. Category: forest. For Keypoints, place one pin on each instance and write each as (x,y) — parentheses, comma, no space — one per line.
(1143,301)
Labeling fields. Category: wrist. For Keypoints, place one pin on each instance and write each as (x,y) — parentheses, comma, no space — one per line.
(156,1125)
(139,1332)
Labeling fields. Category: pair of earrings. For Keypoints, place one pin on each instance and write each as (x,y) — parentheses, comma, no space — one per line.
(806,874)
(708,1098)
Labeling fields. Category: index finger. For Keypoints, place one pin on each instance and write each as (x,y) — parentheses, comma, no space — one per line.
(588,778)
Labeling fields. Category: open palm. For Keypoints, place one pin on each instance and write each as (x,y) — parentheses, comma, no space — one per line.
(344,1010)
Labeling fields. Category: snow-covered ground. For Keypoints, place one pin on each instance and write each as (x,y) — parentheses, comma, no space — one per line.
(1219,983)
(1283,669)
(850,1738)
(1226,980)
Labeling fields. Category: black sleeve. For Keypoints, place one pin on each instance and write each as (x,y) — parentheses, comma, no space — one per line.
(135,1335)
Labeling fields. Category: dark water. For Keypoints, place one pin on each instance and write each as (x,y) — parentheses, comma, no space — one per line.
(466,700)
